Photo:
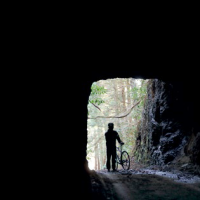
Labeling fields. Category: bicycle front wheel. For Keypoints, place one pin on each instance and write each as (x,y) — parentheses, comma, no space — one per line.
(125,160)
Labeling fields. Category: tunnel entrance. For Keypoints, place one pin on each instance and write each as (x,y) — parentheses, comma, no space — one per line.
(119,101)
(147,115)
(171,124)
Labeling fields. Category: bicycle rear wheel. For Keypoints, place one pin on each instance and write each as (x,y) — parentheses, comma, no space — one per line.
(125,160)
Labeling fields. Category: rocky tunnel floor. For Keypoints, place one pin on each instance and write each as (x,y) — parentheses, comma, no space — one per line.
(144,184)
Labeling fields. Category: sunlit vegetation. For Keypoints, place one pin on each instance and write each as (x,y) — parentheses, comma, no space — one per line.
(121,102)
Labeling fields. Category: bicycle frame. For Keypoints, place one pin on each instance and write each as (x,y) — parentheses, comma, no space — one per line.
(119,149)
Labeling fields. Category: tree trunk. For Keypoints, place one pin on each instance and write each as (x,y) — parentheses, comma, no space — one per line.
(117,101)
(123,95)
(129,98)
(98,146)
(96,151)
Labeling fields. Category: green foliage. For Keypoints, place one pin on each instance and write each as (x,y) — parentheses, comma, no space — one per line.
(97,90)
(139,92)
(97,101)
(95,97)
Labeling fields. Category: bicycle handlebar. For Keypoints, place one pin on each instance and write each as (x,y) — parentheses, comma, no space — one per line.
(121,144)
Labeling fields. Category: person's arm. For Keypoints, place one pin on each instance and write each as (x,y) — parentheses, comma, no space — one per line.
(118,139)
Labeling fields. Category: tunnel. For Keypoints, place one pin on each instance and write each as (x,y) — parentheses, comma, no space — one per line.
(177,103)
(181,113)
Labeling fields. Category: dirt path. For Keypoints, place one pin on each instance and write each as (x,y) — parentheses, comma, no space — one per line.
(129,186)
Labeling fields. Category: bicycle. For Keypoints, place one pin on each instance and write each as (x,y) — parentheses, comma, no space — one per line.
(122,158)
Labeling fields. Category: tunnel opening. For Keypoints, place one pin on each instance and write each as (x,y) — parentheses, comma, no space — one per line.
(171,120)
(165,145)
(119,101)
(156,130)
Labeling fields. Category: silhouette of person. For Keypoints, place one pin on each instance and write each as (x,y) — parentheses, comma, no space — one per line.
(111,137)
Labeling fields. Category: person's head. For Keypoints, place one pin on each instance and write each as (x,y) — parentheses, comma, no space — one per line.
(110,126)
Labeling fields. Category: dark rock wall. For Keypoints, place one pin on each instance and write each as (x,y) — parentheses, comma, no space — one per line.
(169,131)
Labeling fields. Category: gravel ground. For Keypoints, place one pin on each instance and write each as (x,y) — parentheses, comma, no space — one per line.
(143,183)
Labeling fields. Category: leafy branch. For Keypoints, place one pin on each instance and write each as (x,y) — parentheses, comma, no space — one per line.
(116,116)
(94,105)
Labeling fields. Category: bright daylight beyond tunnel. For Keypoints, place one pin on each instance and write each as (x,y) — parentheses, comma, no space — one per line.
(119,101)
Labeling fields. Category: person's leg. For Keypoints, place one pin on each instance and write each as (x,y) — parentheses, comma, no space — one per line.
(113,159)
(108,159)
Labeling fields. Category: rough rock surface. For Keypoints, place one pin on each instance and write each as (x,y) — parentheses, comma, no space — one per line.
(168,134)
